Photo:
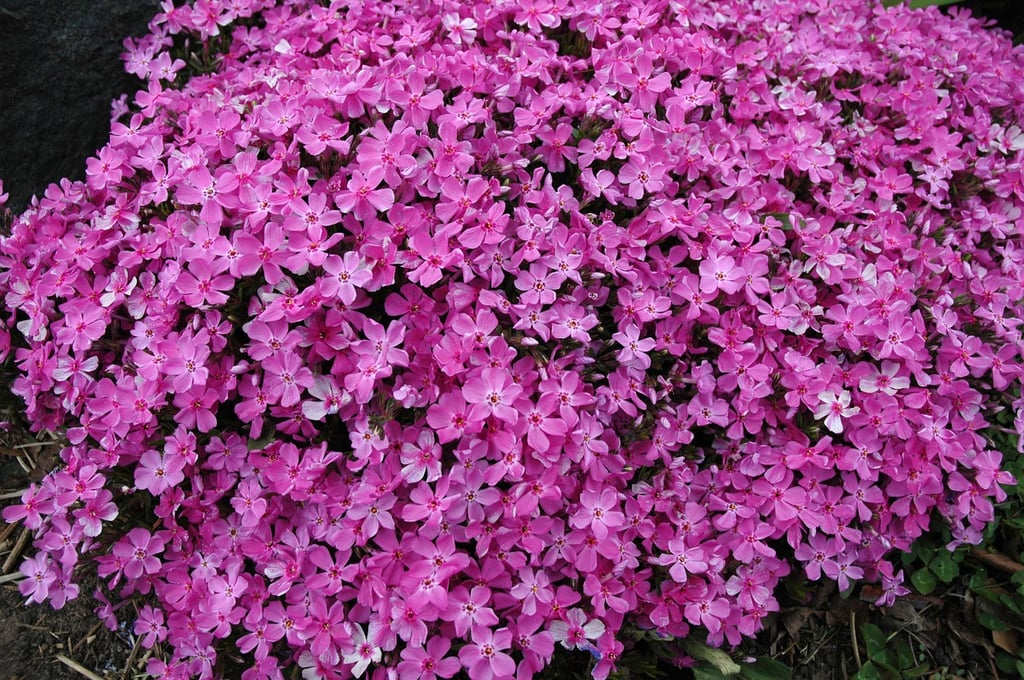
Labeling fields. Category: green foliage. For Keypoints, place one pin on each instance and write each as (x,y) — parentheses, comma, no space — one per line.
(890,657)
(715,664)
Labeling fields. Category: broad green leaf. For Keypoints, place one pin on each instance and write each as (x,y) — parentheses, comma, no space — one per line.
(720,660)
(919,4)
(918,671)
(944,567)
(874,639)
(905,655)
(708,673)
(990,621)
(868,672)
(766,669)
(923,580)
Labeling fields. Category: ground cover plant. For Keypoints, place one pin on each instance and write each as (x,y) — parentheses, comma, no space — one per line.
(410,338)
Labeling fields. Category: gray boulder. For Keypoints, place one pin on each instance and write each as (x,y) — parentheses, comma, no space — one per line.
(60,68)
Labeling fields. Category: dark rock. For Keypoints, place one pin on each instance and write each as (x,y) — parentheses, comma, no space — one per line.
(60,68)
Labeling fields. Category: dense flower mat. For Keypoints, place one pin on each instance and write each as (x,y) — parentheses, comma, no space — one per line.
(405,337)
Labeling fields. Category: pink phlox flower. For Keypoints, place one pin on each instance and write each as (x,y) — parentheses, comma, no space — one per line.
(319,132)
(461,30)
(575,631)
(537,15)
(138,551)
(705,608)
(834,407)
(327,398)
(213,193)
(642,176)
(310,214)
(460,200)
(720,272)
(706,410)
(484,657)
(385,345)
(157,472)
(428,662)
(452,416)
(40,574)
(364,648)
(533,589)
(249,502)
(634,349)
(429,256)
(285,376)
(542,424)
(886,379)
(683,560)
(598,512)
(849,324)
(468,610)
(555,150)
(428,504)
(150,625)
(266,254)
(494,390)
(82,326)
(644,83)
(362,197)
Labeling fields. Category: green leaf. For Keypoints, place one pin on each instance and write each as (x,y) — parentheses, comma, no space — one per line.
(990,621)
(721,661)
(868,672)
(944,567)
(905,655)
(918,671)
(708,673)
(923,580)
(766,669)
(920,4)
(874,638)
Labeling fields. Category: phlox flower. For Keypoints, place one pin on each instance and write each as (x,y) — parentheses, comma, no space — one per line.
(496,392)
(460,30)
(468,610)
(156,472)
(364,650)
(327,398)
(683,560)
(484,657)
(575,631)
(138,551)
(720,272)
(884,379)
(362,198)
(641,176)
(633,347)
(833,407)
(705,609)
(429,662)
(213,193)
(40,575)
(533,589)
(82,326)
(597,512)
(707,410)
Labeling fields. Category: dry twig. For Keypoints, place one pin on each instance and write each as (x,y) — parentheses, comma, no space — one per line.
(853,640)
(78,668)
(994,559)
(16,551)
